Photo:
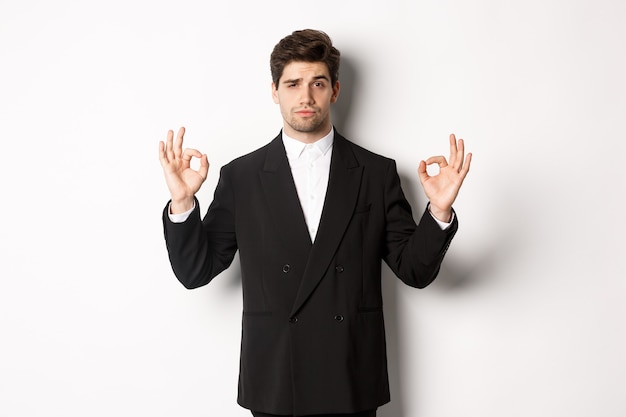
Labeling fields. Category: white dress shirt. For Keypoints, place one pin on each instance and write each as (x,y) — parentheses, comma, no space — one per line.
(310,167)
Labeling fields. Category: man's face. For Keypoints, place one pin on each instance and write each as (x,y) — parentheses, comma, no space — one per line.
(304,93)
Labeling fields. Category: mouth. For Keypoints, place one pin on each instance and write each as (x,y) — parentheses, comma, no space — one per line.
(305,113)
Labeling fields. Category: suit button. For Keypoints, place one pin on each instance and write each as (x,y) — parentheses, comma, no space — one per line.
(286,268)
(339,317)
(293,320)
(339,268)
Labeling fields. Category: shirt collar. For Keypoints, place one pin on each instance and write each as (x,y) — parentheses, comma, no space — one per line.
(294,147)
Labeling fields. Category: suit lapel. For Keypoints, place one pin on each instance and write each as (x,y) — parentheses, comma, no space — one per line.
(341,197)
(282,200)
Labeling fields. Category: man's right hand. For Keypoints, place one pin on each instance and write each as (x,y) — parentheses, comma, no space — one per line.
(182,181)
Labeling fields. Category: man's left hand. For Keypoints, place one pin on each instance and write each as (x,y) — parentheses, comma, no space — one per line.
(443,188)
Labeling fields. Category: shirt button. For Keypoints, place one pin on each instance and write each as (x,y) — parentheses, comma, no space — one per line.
(286,268)
(293,320)
(339,268)
(339,317)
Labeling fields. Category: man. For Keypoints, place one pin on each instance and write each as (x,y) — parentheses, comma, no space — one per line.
(312,216)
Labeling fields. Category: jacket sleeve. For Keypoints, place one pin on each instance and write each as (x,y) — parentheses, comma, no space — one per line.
(413,252)
(201,249)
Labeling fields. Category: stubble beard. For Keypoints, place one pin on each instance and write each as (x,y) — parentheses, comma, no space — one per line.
(307,125)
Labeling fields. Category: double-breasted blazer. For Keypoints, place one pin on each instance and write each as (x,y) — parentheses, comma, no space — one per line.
(313,338)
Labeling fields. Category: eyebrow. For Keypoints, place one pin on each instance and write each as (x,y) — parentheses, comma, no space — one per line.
(295,80)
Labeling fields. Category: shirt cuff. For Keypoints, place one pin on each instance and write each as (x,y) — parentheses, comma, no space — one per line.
(179,217)
(443,225)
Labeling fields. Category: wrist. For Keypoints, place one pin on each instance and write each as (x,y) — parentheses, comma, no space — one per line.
(181,206)
(443,215)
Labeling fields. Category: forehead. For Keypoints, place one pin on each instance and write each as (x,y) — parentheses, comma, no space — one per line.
(303,70)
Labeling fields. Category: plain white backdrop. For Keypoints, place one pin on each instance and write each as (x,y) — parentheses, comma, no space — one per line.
(527,315)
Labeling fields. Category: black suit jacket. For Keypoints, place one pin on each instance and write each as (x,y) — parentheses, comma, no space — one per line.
(313,338)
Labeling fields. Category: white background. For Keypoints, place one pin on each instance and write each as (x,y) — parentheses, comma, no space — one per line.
(527,316)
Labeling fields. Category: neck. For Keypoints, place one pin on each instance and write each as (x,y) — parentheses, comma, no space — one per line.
(306,137)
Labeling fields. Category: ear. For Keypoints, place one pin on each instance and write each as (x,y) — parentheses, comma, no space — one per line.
(275,94)
(335,95)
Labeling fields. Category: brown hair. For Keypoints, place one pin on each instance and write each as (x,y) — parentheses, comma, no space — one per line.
(306,45)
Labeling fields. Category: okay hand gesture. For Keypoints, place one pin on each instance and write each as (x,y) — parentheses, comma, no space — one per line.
(442,188)
(182,181)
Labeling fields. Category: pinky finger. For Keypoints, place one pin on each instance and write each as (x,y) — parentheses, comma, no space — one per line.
(162,155)
(466,165)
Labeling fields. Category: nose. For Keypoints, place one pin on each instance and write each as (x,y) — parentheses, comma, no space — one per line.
(306,96)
